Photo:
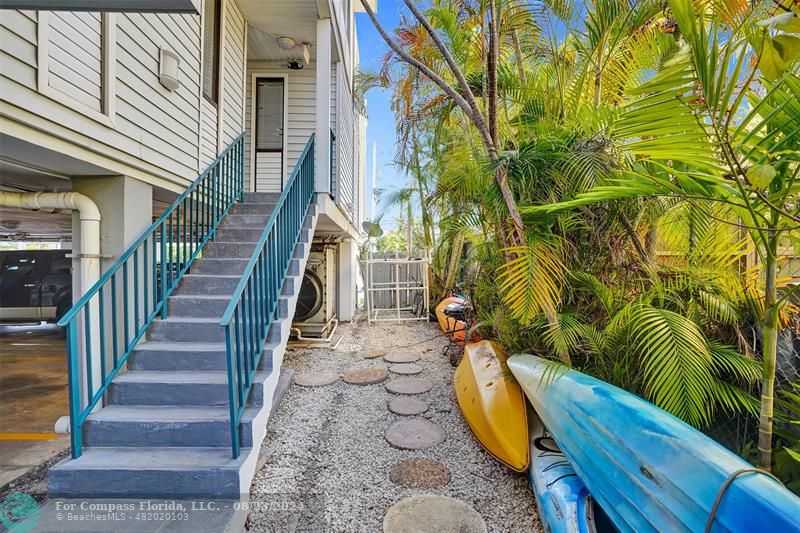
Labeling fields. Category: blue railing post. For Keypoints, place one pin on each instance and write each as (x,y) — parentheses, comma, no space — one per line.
(165,268)
(73,380)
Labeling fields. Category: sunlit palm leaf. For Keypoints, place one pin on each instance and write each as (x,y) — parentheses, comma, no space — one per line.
(676,362)
(531,283)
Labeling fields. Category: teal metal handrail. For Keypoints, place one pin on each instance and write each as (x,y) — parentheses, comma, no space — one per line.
(129,295)
(254,304)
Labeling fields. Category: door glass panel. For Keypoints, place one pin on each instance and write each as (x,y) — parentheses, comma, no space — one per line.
(269,115)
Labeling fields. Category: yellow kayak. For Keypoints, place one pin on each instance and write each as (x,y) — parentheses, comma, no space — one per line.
(493,404)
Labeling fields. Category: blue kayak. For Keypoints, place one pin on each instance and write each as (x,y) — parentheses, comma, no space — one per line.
(648,470)
(563,501)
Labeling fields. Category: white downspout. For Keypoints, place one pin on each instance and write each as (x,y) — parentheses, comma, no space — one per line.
(89,216)
(89,256)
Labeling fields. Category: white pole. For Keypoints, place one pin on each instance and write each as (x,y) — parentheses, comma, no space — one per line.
(323,107)
(374,213)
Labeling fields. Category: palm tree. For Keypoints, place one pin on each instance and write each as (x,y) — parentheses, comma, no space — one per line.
(720,122)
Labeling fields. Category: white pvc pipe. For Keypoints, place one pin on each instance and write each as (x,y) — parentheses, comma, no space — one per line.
(325,340)
(89,216)
(89,255)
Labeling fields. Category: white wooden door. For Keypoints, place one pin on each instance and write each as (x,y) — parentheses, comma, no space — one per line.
(269,110)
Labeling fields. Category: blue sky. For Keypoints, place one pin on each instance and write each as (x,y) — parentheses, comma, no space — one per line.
(380,125)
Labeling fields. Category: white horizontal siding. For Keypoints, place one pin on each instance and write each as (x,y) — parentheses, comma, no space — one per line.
(18,46)
(170,135)
(301,110)
(76,56)
(334,126)
(346,194)
(208,133)
(268,172)
(233,75)
(162,120)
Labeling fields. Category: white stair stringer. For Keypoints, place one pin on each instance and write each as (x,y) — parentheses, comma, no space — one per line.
(275,349)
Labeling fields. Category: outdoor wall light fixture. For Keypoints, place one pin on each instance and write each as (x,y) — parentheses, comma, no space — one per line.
(168,63)
(286,43)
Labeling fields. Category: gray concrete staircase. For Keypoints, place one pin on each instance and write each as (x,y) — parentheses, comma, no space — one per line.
(164,429)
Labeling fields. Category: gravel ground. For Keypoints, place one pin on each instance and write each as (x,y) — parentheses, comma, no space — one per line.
(328,464)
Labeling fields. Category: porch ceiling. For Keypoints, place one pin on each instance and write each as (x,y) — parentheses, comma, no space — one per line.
(270,19)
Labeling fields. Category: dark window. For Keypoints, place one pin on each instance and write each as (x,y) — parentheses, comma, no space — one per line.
(211,22)
(61,265)
(19,264)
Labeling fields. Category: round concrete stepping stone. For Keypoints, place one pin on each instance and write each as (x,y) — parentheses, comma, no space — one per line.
(414,434)
(366,376)
(429,512)
(405,369)
(374,353)
(401,357)
(406,406)
(420,473)
(409,385)
(315,379)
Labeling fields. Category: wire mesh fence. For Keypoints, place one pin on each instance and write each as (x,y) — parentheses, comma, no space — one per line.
(739,431)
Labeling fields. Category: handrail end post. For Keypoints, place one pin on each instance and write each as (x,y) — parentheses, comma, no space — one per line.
(74,383)
(231,394)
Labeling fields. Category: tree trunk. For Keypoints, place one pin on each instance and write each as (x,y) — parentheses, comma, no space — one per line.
(467,103)
(769,352)
(426,221)
(518,57)
(452,265)
(643,256)
(491,65)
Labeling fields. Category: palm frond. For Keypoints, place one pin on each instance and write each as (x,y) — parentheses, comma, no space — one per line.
(532,281)
(676,362)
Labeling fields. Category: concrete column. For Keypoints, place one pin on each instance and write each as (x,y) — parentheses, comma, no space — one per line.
(126,205)
(347,270)
(126,208)
(322,159)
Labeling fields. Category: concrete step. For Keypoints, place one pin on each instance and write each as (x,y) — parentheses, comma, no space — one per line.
(148,472)
(261,197)
(166,356)
(228,267)
(185,329)
(289,285)
(179,356)
(132,426)
(252,208)
(207,284)
(239,234)
(140,444)
(244,221)
(178,388)
(208,306)
(233,250)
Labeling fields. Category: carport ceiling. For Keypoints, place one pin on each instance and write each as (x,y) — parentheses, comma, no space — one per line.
(24,225)
(25,167)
